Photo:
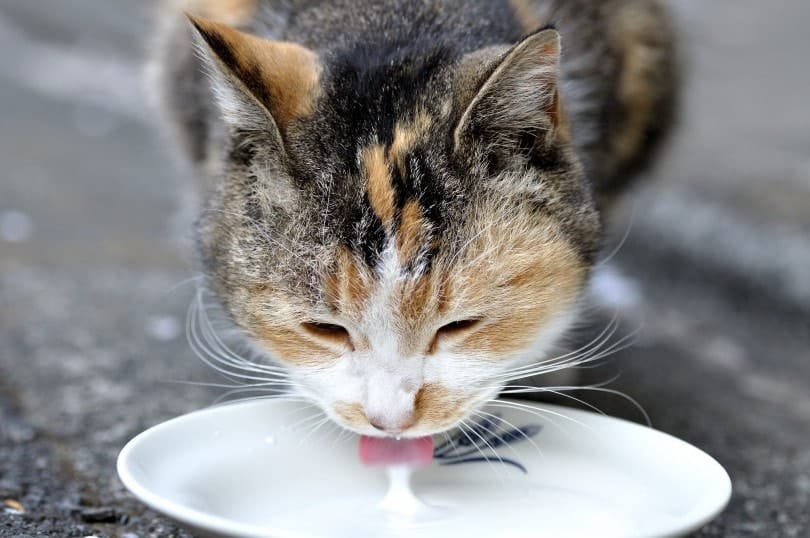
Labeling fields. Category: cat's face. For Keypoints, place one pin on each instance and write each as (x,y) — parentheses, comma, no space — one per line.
(399,237)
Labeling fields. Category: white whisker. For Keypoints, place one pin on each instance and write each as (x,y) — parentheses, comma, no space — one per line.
(483,415)
(536,411)
(206,355)
(462,427)
(315,429)
(489,447)
(529,439)
(216,343)
(594,344)
(618,247)
(283,397)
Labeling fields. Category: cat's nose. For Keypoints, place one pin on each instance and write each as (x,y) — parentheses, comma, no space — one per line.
(391,427)
(390,404)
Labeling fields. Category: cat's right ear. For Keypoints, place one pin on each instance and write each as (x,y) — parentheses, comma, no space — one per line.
(510,95)
(260,85)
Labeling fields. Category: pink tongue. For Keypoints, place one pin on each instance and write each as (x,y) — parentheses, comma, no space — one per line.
(387,451)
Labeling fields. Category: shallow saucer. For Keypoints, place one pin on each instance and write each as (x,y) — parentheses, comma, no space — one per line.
(260,469)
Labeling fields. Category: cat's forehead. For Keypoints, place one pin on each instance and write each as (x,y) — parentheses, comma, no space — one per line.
(379,142)
(366,91)
(367,94)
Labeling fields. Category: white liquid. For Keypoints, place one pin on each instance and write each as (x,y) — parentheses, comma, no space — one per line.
(452,510)
(400,498)
(399,514)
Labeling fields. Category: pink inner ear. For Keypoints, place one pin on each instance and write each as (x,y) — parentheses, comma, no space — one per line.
(379,451)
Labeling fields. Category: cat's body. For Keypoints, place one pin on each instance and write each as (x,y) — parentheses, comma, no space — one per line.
(405,195)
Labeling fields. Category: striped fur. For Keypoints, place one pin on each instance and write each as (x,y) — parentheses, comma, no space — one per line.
(427,175)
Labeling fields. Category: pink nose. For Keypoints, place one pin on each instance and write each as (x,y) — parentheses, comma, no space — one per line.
(392,427)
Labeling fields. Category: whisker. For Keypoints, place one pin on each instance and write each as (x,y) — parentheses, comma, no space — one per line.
(315,429)
(489,446)
(618,247)
(207,356)
(217,344)
(343,436)
(449,438)
(621,394)
(557,393)
(242,390)
(222,385)
(575,362)
(283,397)
(595,343)
(334,432)
(484,415)
(545,419)
(536,411)
(196,279)
(319,414)
(198,347)
(511,425)
(620,345)
(462,427)
(523,389)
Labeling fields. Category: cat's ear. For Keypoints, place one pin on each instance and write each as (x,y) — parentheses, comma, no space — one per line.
(259,84)
(517,100)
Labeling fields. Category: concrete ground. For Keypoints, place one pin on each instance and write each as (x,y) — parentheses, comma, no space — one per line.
(94,288)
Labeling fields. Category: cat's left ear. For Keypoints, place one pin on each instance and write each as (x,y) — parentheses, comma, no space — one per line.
(517,102)
(259,84)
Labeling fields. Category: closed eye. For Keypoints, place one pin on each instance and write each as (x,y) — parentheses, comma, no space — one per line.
(457,327)
(452,330)
(328,331)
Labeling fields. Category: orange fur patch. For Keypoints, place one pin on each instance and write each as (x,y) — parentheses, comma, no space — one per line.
(379,188)
(282,76)
(406,135)
(279,330)
(292,346)
(436,407)
(419,303)
(523,283)
(352,413)
(348,284)
(411,233)
(378,164)
(539,293)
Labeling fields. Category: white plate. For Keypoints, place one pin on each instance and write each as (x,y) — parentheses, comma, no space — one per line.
(257,469)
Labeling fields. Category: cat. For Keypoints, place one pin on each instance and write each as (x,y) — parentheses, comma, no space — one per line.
(404,199)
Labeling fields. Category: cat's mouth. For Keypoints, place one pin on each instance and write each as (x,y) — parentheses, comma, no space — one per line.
(414,432)
(434,409)
(428,420)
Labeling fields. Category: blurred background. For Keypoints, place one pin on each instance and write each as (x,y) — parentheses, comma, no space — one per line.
(94,280)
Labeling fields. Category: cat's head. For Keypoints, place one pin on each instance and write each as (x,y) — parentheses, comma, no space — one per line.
(397,226)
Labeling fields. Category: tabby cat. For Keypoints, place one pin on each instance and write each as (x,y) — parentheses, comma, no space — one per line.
(404,199)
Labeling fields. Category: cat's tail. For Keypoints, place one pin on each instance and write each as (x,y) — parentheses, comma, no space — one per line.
(645,95)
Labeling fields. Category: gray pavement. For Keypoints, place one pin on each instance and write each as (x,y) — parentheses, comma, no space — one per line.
(94,280)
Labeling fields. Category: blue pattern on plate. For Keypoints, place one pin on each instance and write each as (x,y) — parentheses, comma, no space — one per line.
(481,439)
